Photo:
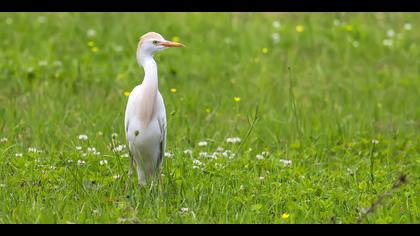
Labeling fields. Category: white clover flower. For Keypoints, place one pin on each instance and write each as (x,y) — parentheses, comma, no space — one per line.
(337,22)
(374,141)
(188,152)
(387,42)
(203,154)
(18,155)
(91,33)
(78,148)
(275,37)
(119,148)
(262,178)
(259,156)
(355,44)
(125,155)
(184,210)
(34,150)
(91,149)
(286,162)
(103,162)
(83,137)
(9,20)
(202,143)
(57,63)
(118,48)
(233,140)
(408,26)
(197,162)
(276,24)
(80,162)
(390,33)
(168,154)
(227,40)
(195,167)
(43,63)
(116,176)
(97,153)
(3,140)
(42,19)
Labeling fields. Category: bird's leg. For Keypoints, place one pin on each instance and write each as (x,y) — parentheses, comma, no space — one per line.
(140,174)
(130,173)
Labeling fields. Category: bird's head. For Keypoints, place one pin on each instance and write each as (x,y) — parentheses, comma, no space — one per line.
(152,42)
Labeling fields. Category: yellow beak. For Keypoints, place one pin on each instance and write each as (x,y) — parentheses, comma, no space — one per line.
(172,44)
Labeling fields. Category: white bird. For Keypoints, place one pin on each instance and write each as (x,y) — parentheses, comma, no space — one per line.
(145,115)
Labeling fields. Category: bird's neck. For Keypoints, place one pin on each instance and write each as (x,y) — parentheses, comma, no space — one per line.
(150,88)
(150,70)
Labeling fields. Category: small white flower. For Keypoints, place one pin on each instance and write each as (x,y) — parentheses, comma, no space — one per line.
(195,167)
(34,150)
(118,48)
(337,22)
(80,162)
(97,153)
(42,19)
(125,155)
(184,210)
(387,42)
(188,152)
(374,141)
(18,155)
(3,140)
(43,63)
(91,33)
(355,44)
(390,33)
(91,149)
(168,154)
(202,143)
(70,161)
(9,20)
(78,148)
(83,137)
(276,24)
(197,162)
(233,140)
(103,162)
(57,63)
(259,156)
(262,177)
(203,154)
(119,148)
(84,154)
(286,162)
(408,26)
(116,176)
(275,37)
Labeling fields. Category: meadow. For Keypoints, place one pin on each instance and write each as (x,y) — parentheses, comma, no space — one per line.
(272,118)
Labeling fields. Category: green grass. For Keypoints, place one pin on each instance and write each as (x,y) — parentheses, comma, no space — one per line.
(343,90)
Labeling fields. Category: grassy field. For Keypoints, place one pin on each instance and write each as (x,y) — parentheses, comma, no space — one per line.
(272,118)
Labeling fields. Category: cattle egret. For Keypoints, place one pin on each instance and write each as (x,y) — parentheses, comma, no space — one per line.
(145,115)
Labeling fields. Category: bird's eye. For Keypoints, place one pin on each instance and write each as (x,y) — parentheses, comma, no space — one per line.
(155,42)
